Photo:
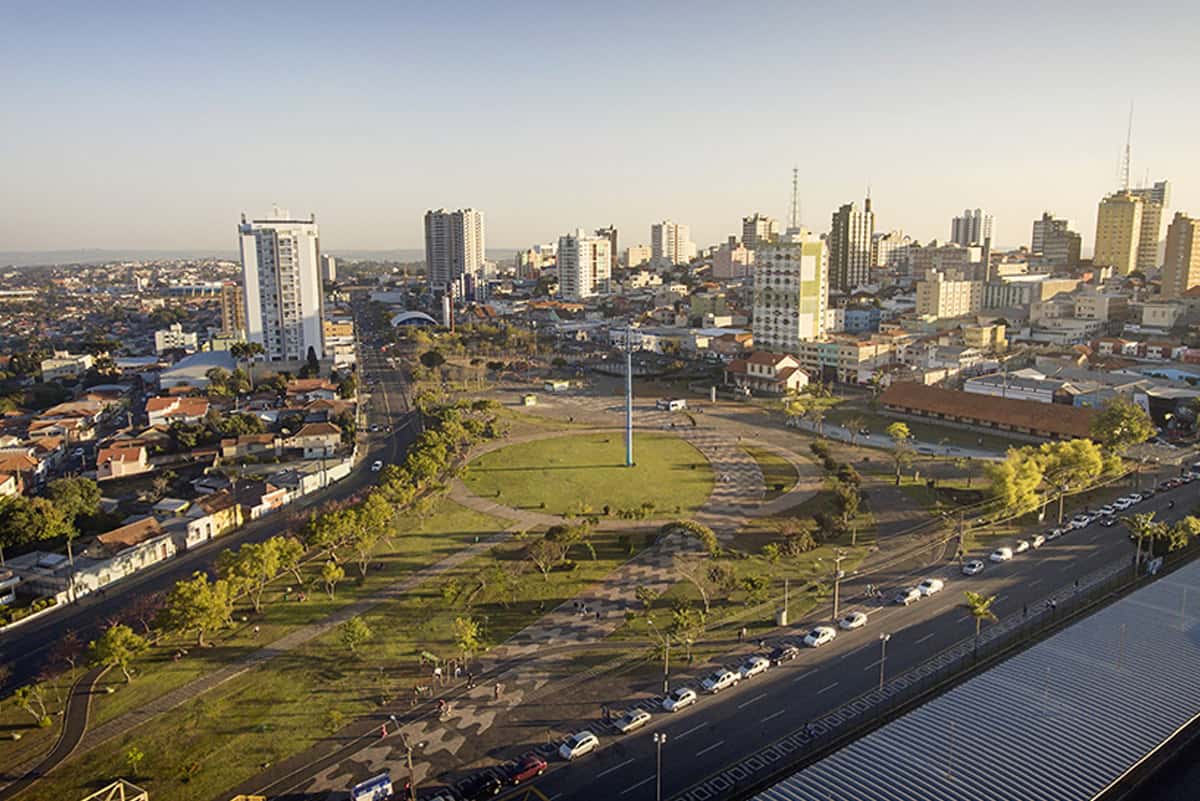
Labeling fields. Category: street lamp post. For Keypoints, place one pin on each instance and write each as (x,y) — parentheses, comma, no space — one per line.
(837,579)
(659,739)
(883,641)
(666,657)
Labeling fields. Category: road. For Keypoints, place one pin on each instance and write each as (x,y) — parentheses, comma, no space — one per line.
(28,649)
(724,729)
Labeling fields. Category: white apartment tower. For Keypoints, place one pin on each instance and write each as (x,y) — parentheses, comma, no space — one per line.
(758,230)
(281,274)
(850,238)
(972,229)
(671,243)
(584,265)
(791,293)
(454,245)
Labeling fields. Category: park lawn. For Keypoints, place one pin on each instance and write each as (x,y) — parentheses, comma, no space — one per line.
(924,432)
(779,476)
(420,543)
(34,740)
(229,734)
(584,473)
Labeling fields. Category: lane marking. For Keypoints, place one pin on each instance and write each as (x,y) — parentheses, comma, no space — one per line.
(872,666)
(614,767)
(704,751)
(745,704)
(803,675)
(827,689)
(692,730)
(633,787)
(964,619)
(923,639)
(1033,583)
(773,715)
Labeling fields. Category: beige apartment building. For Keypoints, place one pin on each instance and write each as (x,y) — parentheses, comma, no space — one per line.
(941,295)
(1181,262)
(1118,232)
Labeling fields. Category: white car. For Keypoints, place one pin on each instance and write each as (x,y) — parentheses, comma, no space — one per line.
(1081,520)
(854,620)
(1121,504)
(1054,533)
(633,719)
(908,596)
(972,568)
(1107,510)
(578,744)
(1021,547)
(753,666)
(1037,541)
(376,466)
(1001,555)
(679,698)
(930,586)
(719,680)
(819,636)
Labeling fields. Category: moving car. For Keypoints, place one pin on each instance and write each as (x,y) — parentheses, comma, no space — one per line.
(719,680)
(633,719)
(578,744)
(1108,522)
(784,652)
(1001,555)
(481,785)
(854,620)
(670,404)
(376,466)
(819,636)
(679,698)
(972,568)
(930,586)
(526,768)
(908,596)
(753,666)
(1037,541)
(1021,547)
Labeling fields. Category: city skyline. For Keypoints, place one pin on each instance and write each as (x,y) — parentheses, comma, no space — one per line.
(379,146)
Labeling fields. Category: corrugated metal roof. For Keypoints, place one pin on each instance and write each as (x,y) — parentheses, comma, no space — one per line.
(1061,721)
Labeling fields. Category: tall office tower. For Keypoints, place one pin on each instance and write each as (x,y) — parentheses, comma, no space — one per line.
(759,230)
(233,310)
(671,243)
(329,268)
(850,246)
(1154,203)
(584,265)
(890,249)
(281,273)
(454,245)
(972,228)
(610,233)
(1118,232)
(1181,262)
(791,294)
(1054,244)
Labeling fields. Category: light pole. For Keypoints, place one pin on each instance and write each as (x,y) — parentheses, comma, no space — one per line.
(408,752)
(666,639)
(837,579)
(883,641)
(659,739)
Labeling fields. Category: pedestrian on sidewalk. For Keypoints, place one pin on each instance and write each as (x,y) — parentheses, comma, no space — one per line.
(604,711)
(383,731)
(437,675)
(497,691)
(457,671)
(741,634)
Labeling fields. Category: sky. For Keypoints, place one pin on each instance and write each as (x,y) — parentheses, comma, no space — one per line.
(155,125)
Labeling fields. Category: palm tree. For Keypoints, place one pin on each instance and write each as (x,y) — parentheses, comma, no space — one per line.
(1142,526)
(980,607)
(794,406)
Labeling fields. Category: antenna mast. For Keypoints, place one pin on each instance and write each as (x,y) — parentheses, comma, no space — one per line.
(795,198)
(1128,143)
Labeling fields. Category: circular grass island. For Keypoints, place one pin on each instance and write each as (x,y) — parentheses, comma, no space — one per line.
(582,474)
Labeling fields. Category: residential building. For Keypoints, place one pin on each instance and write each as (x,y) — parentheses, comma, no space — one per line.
(66,365)
(985,337)
(175,409)
(455,243)
(192,371)
(850,238)
(1055,246)
(947,257)
(1027,384)
(890,250)
(1118,232)
(233,310)
(118,462)
(1020,291)
(1181,262)
(1162,316)
(770,373)
(610,233)
(1154,201)
(972,228)
(941,295)
(211,516)
(791,294)
(282,281)
(317,440)
(671,243)
(733,259)
(584,266)
(758,229)
(174,338)
(328,268)
(1019,418)
(637,255)
(846,359)
(1095,303)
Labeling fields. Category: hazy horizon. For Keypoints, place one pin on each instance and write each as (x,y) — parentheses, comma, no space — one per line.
(149,127)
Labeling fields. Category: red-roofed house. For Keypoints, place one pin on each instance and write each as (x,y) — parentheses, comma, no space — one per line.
(771,373)
(318,440)
(310,389)
(117,462)
(164,411)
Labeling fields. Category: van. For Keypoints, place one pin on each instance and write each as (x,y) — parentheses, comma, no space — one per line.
(558,385)
(670,404)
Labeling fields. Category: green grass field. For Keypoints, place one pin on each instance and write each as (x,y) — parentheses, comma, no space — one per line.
(778,474)
(585,473)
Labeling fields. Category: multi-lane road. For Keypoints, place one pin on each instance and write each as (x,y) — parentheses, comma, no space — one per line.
(736,724)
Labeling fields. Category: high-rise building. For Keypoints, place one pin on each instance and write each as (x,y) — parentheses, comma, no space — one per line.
(1055,246)
(1181,262)
(610,233)
(890,249)
(233,310)
(972,228)
(281,274)
(733,259)
(671,243)
(791,294)
(329,268)
(941,295)
(454,245)
(1118,232)
(1154,203)
(584,265)
(758,229)
(850,246)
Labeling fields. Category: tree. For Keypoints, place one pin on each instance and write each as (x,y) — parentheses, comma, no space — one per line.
(31,699)
(979,606)
(250,567)
(355,633)
(694,570)
(1014,482)
(1143,526)
(199,605)
(579,534)
(331,574)
(687,625)
(133,758)
(1120,424)
(1074,463)
(466,636)
(290,551)
(848,499)
(369,523)
(902,452)
(75,497)
(67,650)
(702,533)
(432,359)
(757,587)
(854,425)
(117,647)
(24,520)
(795,406)
(545,554)
(329,530)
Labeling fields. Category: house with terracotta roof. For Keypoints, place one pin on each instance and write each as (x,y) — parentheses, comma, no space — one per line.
(262,497)
(317,440)
(768,373)
(250,445)
(311,389)
(183,409)
(11,484)
(1021,419)
(211,516)
(118,462)
(24,462)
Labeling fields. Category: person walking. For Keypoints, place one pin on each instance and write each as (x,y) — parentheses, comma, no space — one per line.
(497,691)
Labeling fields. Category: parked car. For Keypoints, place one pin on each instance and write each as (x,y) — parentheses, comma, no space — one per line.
(1021,547)
(376,466)
(753,666)
(972,568)
(526,768)
(819,636)
(1001,555)
(481,785)
(719,680)
(854,620)
(1037,541)
(1054,533)
(1106,510)
(578,744)
(1121,504)
(631,720)
(784,652)
(930,586)
(679,698)
(908,596)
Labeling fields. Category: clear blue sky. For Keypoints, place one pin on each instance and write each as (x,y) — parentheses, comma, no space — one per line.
(154,125)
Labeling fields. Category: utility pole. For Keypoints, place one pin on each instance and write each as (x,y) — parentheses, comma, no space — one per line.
(628,397)
(659,738)
(408,752)
(837,579)
(883,641)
